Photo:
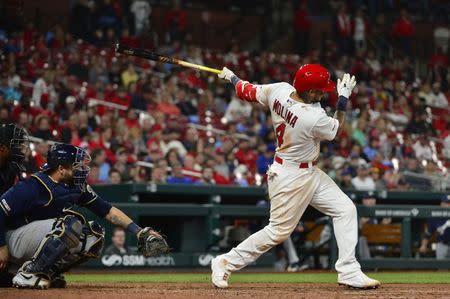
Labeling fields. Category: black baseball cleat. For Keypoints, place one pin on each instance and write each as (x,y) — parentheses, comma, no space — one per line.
(58,282)
(6,279)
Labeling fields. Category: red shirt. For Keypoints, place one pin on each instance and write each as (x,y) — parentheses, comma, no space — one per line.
(168,108)
(247,157)
(403,28)
(132,123)
(221,180)
(40,160)
(438,60)
(176,17)
(301,21)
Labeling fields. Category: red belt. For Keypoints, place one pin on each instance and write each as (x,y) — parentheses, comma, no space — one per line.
(301,165)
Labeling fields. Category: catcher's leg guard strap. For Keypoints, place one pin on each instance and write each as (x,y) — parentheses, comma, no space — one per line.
(94,239)
(56,245)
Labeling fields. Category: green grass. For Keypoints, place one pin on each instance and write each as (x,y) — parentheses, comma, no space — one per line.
(384,277)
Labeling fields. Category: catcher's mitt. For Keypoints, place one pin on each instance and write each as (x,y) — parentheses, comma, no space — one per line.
(150,243)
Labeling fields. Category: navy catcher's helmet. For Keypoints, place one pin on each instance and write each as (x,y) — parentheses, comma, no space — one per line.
(16,138)
(69,155)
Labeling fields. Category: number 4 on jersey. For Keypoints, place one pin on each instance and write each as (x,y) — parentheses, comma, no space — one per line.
(280,133)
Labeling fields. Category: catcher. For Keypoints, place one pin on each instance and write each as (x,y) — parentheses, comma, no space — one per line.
(45,238)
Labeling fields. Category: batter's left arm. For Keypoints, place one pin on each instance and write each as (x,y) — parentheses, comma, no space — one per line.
(344,89)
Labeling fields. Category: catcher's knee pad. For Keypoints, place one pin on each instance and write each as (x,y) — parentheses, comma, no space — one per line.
(69,230)
(57,244)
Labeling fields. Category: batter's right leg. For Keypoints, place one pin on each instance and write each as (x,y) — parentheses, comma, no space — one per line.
(330,200)
(290,191)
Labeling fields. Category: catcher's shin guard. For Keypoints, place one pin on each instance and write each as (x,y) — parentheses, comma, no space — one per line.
(91,245)
(56,245)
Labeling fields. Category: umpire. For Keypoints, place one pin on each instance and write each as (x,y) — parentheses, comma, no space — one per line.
(13,147)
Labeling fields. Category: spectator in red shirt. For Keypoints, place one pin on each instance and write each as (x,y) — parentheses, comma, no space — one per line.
(132,120)
(246,155)
(176,22)
(29,35)
(302,27)
(403,31)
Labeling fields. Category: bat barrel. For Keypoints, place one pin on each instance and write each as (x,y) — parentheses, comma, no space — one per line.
(156,57)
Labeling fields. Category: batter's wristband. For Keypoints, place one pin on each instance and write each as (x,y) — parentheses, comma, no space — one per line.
(235,80)
(133,228)
(342,103)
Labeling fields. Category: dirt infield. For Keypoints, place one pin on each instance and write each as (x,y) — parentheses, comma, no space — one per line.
(254,291)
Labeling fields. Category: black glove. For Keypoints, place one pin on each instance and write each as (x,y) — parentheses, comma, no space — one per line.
(150,243)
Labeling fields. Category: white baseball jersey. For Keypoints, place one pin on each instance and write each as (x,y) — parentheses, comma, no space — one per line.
(299,127)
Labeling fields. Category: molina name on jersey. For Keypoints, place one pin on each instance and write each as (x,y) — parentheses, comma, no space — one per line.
(285,113)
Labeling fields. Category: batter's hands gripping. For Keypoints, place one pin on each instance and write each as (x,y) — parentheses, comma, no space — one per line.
(346,85)
(226,74)
(150,243)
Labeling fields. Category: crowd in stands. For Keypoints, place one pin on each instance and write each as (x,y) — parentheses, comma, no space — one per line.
(397,123)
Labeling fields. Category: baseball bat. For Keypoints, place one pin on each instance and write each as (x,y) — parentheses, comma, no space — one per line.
(122,49)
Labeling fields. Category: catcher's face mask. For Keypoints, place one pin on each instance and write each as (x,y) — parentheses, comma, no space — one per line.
(81,168)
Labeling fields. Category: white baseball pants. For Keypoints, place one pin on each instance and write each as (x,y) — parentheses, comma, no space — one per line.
(291,190)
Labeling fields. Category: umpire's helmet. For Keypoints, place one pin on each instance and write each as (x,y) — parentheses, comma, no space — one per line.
(313,77)
(17,140)
(69,155)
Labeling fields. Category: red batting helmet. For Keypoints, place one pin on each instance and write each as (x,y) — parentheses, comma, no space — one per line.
(313,77)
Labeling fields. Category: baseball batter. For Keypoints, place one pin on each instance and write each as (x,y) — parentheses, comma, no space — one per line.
(294,182)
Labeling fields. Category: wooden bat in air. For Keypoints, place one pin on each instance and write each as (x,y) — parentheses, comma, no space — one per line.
(122,49)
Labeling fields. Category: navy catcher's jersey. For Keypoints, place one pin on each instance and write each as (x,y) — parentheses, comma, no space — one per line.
(39,197)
